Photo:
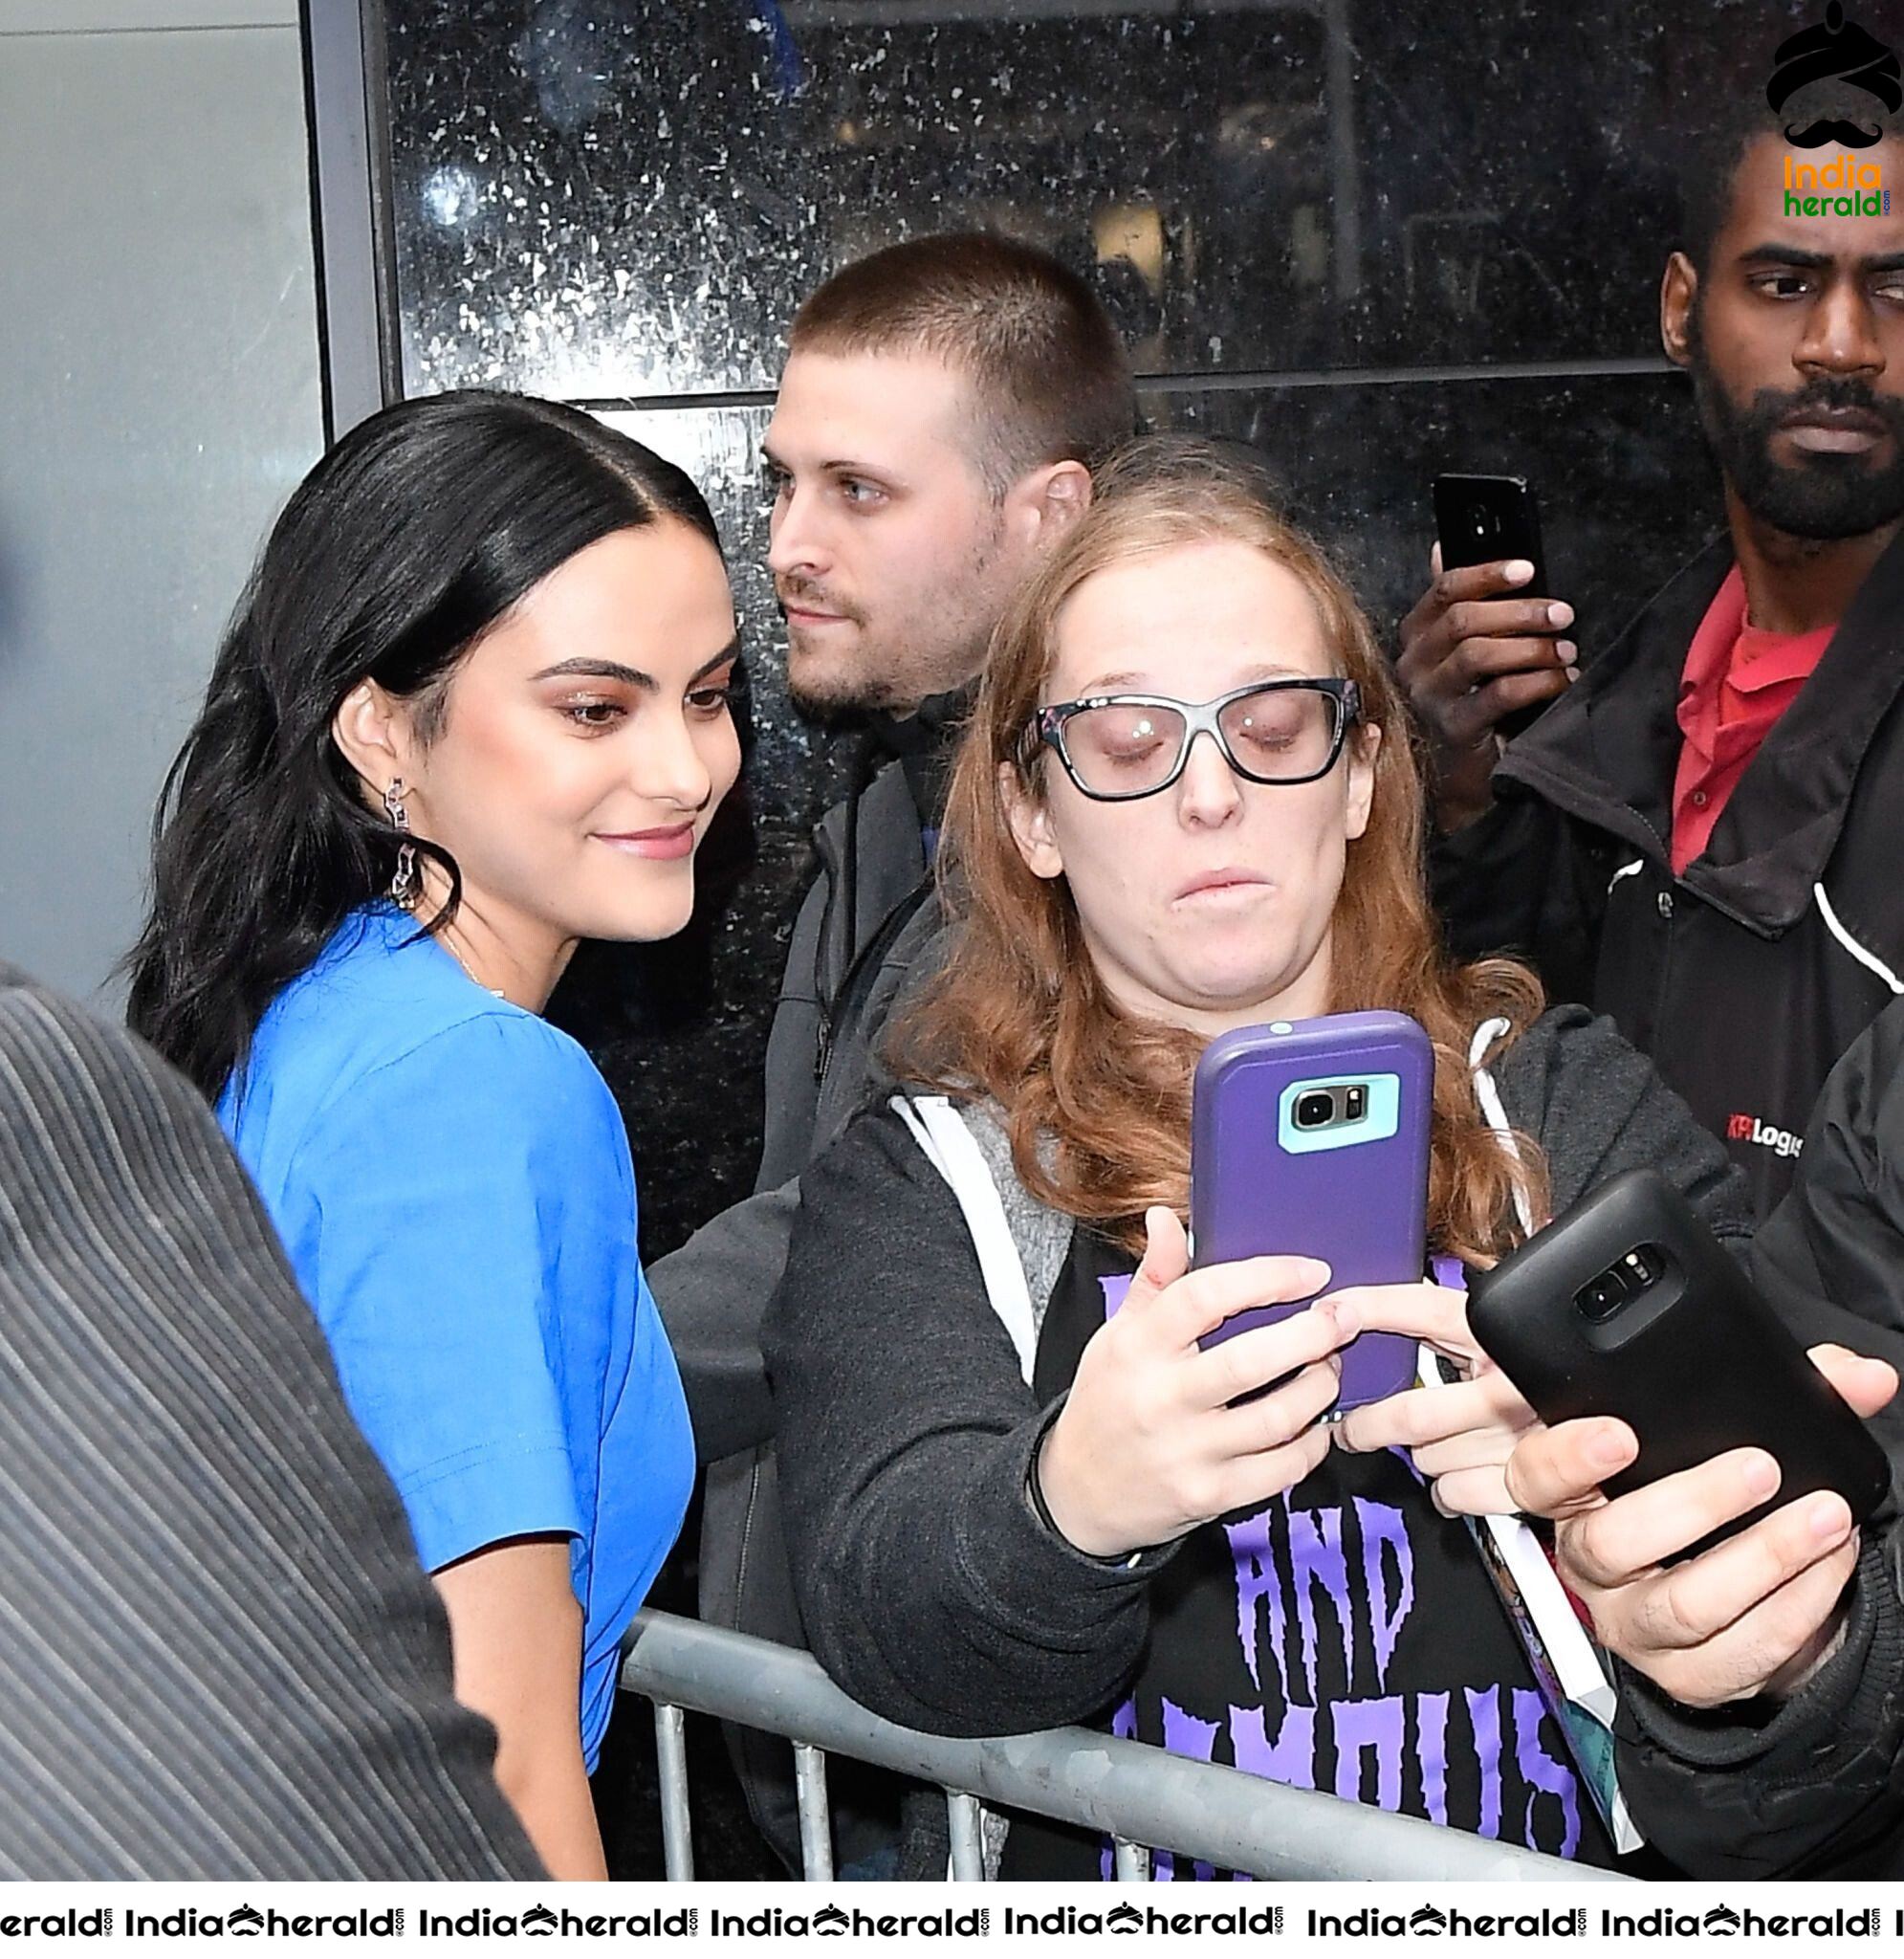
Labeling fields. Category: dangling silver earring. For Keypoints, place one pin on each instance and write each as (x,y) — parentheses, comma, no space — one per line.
(403,885)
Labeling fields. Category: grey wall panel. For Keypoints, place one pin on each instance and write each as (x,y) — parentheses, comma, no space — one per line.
(158,400)
(140,16)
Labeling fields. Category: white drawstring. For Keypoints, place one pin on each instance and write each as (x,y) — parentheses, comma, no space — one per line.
(1489,1097)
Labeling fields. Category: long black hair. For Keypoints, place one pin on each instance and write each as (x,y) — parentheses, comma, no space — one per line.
(405,543)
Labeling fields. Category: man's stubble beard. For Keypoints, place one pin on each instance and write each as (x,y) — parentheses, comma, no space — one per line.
(880,674)
(874,676)
(1827,500)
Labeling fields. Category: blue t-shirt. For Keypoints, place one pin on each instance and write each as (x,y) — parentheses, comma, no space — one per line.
(451,1180)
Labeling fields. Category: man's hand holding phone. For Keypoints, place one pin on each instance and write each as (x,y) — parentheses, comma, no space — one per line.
(1756,1614)
(1476,650)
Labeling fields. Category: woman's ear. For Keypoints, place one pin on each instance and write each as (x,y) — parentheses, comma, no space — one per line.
(1364,743)
(372,732)
(1030,818)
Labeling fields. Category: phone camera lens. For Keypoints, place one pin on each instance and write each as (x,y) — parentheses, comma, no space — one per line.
(1314,1110)
(1600,1298)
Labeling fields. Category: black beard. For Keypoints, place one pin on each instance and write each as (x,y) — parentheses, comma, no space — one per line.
(1826,498)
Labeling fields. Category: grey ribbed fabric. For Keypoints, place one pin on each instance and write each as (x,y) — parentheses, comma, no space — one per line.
(218,1655)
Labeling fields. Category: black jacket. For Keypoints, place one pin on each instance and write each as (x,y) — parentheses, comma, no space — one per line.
(931,1592)
(1815,1788)
(1746,978)
(868,924)
(863,926)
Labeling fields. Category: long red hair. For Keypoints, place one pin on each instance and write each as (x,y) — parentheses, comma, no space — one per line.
(1097,1101)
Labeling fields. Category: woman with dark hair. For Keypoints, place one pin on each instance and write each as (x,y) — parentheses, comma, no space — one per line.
(473,709)
(1017,1491)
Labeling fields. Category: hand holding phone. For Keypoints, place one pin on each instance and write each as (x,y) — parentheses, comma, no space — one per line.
(1629,1307)
(1310,1137)
(1481,651)
(1458,1432)
(1157,1435)
(1755,1615)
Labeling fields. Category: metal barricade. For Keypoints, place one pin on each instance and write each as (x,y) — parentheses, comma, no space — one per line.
(1134,1794)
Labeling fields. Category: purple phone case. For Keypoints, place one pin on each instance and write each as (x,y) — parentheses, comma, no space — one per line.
(1361,1207)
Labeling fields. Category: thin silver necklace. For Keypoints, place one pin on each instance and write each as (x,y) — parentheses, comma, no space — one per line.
(448,945)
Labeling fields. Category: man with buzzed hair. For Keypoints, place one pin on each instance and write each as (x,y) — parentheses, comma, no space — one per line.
(941,408)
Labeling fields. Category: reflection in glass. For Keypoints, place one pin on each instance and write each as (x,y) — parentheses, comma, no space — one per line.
(1253,185)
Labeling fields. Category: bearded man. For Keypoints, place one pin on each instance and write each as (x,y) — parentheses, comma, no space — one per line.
(1700,835)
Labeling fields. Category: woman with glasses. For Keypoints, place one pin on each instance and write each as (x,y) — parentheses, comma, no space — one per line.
(1017,1491)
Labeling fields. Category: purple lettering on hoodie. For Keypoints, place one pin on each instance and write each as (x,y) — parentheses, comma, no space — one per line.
(1543,1772)
(1290,1758)
(1366,1727)
(1318,1564)
(1384,1527)
(1484,1713)
(1431,1722)
(1260,1597)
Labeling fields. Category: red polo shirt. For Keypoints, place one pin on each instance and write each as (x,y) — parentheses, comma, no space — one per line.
(1737,680)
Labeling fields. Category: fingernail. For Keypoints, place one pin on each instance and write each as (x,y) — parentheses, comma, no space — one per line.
(1762,1475)
(1607,1450)
(1348,1321)
(1560,613)
(1568,650)
(1517,571)
(1827,1519)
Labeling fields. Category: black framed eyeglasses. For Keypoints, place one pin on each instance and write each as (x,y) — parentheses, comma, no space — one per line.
(1118,746)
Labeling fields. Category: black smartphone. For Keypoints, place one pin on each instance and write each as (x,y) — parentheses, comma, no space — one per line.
(1627,1306)
(1481,520)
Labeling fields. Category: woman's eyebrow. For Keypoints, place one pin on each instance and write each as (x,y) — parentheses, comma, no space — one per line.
(598,669)
(1139,683)
(632,676)
(726,657)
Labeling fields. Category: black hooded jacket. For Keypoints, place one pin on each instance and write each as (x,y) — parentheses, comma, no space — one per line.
(1814,1788)
(1747,977)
